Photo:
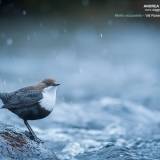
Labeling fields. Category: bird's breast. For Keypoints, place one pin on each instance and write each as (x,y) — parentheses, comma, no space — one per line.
(48,101)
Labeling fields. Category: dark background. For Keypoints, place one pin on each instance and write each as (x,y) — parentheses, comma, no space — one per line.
(89,10)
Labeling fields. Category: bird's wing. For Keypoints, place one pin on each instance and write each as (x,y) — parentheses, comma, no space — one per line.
(23,98)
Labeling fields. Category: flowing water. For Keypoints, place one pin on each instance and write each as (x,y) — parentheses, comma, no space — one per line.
(108,102)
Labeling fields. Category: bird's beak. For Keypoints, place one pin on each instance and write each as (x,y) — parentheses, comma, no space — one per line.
(56,84)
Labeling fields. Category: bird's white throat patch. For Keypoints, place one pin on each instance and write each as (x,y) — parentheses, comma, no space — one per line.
(49,98)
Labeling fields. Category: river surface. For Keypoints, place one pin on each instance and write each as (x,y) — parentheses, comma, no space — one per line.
(108,104)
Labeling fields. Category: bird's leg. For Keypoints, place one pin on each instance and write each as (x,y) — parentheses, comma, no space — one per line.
(29,128)
(32,132)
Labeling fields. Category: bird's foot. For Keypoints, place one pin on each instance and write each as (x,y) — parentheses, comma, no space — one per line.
(33,137)
(36,139)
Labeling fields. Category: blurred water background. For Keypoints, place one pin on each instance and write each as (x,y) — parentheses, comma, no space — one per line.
(108,102)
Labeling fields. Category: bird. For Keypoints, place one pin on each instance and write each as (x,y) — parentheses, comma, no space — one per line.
(31,102)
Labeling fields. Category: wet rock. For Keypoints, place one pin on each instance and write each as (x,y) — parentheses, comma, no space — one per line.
(15,144)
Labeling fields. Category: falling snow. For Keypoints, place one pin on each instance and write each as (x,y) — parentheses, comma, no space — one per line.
(9,41)
(24,12)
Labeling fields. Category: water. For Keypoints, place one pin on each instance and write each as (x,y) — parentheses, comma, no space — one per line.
(108,103)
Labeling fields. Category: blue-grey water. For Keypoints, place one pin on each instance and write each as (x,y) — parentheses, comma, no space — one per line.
(108,103)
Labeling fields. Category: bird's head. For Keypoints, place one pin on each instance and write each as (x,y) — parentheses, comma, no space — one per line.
(50,82)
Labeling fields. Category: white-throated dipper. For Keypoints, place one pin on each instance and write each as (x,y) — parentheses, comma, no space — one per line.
(32,102)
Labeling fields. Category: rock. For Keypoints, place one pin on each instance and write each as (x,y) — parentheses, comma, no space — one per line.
(15,144)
